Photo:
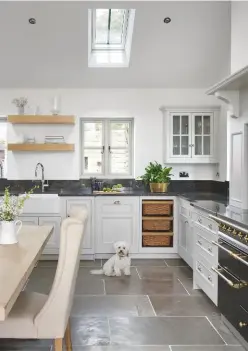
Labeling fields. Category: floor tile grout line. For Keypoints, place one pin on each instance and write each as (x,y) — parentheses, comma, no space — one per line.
(138,273)
(109,331)
(215,329)
(166,264)
(155,314)
(183,286)
(104,287)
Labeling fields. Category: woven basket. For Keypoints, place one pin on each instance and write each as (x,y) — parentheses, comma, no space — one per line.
(158,208)
(157,225)
(156,240)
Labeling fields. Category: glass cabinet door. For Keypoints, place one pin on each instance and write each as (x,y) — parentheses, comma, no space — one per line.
(180,135)
(202,134)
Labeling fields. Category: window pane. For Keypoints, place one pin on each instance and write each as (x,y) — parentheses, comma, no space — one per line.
(198,145)
(206,145)
(185,145)
(93,134)
(101,30)
(176,145)
(119,161)
(3,147)
(119,134)
(92,161)
(116,26)
(206,124)
(185,125)
(198,125)
(176,124)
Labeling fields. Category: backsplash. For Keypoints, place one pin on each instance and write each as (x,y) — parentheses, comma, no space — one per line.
(182,186)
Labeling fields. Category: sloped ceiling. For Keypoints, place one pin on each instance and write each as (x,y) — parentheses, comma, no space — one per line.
(193,51)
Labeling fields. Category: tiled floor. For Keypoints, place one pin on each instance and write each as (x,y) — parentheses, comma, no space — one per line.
(155,309)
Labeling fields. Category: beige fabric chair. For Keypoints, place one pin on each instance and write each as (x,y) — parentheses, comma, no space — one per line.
(38,316)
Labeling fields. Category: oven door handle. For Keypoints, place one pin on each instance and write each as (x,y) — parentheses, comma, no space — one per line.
(234,255)
(228,281)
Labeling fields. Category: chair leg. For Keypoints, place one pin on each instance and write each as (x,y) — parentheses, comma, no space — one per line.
(68,338)
(58,345)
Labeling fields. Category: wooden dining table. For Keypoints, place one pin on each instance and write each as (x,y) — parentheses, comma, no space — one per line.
(17,262)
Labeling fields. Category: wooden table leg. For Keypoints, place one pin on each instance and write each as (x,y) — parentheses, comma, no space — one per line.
(68,337)
(58,344)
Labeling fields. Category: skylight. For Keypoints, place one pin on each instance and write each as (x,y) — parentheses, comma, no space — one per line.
(110,37)
(109,28)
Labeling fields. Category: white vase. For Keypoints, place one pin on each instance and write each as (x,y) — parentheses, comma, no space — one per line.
(9,232)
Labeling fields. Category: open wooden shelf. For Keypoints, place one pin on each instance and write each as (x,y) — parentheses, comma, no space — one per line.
(41,119)
(41,147)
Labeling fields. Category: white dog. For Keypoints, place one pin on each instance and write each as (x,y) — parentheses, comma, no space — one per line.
(117,263)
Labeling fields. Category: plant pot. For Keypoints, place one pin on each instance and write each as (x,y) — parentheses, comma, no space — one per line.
(158,187)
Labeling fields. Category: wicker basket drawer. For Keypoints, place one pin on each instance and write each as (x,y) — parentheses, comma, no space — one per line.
(157,224)
(156,240)
(157,208)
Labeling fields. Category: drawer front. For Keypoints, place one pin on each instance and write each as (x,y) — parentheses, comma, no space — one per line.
(185,208)
(206,248)
(117,206)
(205,278)
(157,224)
(205,222)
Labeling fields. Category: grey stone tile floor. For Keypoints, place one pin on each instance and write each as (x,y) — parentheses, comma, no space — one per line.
(155,309)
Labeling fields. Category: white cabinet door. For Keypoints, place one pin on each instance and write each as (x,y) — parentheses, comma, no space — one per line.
(180,135)
(202,135)
(88,241)
(29,220)
(52,247)
(116,220)
(185,245)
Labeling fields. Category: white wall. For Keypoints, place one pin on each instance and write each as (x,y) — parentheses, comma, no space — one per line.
(141,104)
(239,35)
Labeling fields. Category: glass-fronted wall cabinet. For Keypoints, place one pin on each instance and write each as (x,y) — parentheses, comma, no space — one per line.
(189,135)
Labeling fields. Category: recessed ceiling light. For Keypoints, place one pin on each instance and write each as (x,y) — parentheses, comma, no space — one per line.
(167,20)
(32,20)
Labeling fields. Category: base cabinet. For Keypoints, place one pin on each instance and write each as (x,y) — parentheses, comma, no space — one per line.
(88,241)
(117,219)
(52,246)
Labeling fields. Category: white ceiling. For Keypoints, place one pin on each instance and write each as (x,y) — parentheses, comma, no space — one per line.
(193,51)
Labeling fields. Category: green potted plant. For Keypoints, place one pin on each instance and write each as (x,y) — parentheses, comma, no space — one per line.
(157,176)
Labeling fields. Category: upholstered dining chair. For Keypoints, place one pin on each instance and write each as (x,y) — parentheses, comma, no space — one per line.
(38,316)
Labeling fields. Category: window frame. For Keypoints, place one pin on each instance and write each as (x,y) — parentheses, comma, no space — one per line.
(109,47)
(106,166)
(5,120)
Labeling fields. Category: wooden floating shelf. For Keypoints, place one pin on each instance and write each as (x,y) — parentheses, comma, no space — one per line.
(158,233)
(41,119)
(41,147)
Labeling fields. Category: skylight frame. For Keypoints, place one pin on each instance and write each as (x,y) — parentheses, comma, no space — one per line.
(109,47)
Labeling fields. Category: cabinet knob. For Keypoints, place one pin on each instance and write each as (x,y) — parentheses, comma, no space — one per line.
(199,242)
(199,268)
(210,249)
(186,222)
(210,226)
(199,220)
(210,278)
(243,324)
(117,202)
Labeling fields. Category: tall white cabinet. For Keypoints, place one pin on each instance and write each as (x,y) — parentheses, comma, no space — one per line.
(190,135)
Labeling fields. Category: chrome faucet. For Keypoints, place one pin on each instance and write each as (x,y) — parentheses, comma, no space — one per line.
(43,185)
(1,170)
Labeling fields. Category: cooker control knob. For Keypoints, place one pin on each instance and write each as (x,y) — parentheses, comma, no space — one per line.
(240,234)
(224,227)
(246,238)
(229,229)
(234,232)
